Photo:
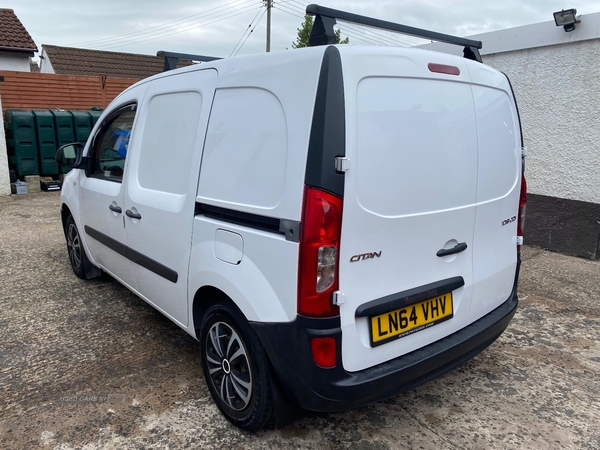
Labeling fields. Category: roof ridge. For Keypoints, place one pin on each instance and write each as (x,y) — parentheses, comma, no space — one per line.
(14,36)
(96,50)
(91,62)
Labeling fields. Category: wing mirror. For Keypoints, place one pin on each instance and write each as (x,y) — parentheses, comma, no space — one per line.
(71,156)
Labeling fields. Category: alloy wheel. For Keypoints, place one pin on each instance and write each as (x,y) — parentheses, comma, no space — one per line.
(229,366)
(74,246)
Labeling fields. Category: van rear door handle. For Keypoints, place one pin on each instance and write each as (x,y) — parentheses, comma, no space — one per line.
(130,213)
(451,251)
(115,208)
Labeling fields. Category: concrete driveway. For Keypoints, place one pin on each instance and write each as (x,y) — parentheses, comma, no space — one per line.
(89,365)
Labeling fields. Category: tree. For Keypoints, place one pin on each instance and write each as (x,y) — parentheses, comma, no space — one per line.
(305,30)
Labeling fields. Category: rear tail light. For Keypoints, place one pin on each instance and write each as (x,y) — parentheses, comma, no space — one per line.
(319,250)
(324,351)
(522,209)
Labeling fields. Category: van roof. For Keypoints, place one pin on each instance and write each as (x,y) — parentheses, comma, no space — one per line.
(269,61)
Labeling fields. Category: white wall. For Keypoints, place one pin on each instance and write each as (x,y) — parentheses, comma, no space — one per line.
(4,175)
(45,65)
(17,62)
(558,93)
(556,78)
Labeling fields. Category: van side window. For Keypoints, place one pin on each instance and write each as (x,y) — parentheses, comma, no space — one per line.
(110,145)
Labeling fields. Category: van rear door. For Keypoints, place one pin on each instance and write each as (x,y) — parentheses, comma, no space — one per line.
(498,188)
(409,212)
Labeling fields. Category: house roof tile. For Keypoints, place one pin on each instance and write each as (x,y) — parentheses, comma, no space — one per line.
(13,35)
(79,61)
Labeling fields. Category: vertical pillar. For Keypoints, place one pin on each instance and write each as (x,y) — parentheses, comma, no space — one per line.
(103,98)
(4,174)
(269,4)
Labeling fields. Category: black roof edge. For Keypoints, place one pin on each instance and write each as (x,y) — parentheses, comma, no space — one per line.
(325,18)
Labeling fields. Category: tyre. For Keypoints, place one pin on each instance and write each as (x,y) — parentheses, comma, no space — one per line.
(80,263)
(235,368)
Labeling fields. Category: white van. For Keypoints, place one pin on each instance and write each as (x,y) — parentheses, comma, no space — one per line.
(334,224)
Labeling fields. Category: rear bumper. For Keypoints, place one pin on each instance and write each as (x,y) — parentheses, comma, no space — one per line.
(318,389)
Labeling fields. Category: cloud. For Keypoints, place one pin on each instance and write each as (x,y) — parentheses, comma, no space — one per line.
(212,27)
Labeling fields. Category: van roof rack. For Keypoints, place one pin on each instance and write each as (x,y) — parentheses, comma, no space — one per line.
(172,58)
(323,33)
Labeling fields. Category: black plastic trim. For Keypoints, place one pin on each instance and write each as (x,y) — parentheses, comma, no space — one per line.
(111,243)
(152,265)
(288,228)
(81,162)
(130,106)
(319,389)
(116,209)
(472,53)
(172,58)
(130,213)
(89,169)
(132,255)
(461,247)
(409,297)
(321,11)
(328,130)
(322,31)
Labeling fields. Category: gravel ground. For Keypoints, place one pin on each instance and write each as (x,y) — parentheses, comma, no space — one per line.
(89,365)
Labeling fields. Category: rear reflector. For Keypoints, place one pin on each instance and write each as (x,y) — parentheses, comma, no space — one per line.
(324,351)
(319,253)
(442,68)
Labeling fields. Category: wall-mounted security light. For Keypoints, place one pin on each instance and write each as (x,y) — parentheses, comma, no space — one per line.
(566,19)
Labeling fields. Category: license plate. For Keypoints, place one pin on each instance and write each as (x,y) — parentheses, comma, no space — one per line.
(410,319)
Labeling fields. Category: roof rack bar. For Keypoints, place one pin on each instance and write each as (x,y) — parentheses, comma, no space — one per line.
(172,58)
(325,18)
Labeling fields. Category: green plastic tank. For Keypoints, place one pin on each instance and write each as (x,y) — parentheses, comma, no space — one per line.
(46,140)
(65,129)
(21,142)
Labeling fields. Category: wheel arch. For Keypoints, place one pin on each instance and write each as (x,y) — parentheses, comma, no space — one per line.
(204,298)
(91,270)
(286,411)
(65,212)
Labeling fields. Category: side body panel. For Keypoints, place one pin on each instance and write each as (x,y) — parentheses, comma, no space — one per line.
(96,196)
(253,165)
(162,176)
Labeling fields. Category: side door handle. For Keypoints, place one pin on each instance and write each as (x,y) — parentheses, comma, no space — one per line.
(115,208)
(133,215)
(461,247)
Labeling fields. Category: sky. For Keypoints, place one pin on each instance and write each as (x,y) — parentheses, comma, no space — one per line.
(229,28)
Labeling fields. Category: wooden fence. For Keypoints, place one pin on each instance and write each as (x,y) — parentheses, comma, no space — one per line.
(24,90)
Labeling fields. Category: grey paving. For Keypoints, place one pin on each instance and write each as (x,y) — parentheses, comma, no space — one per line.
(89,365)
